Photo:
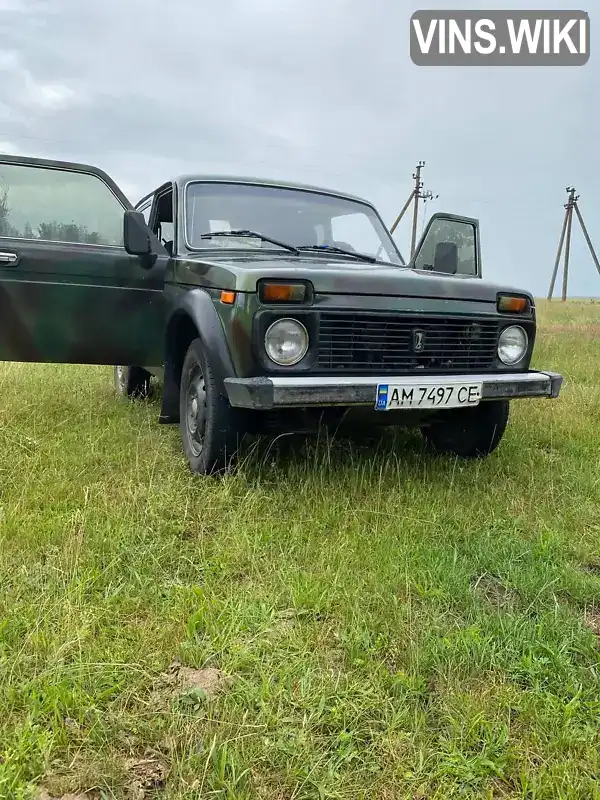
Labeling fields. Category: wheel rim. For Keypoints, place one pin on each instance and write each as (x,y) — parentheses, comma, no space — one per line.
(195,404)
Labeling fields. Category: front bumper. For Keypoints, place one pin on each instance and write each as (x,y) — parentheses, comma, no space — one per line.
(288,392)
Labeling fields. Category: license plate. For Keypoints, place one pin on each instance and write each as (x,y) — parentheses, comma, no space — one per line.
(446,394)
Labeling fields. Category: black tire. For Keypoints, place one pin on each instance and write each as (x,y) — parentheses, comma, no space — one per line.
(132,381)
(211,430)
(469,432)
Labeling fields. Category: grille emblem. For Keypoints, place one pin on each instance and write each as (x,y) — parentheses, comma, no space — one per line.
(474,331)
(418,341)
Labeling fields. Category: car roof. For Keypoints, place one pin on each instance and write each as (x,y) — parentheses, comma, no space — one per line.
(182,180)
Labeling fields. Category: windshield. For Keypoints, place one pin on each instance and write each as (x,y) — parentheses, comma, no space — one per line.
(293,216)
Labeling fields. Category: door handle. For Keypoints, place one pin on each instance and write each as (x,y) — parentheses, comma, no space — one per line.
(9,258)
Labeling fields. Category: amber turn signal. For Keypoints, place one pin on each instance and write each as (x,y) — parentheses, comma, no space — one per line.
(227,297)
(512,305)
(283,293)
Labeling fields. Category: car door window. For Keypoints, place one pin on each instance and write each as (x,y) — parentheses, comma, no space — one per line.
(165,231)
(449,233)
(163,223)
(146,209)
(47,204)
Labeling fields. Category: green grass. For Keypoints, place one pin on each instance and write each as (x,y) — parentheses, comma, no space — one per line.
(392,625)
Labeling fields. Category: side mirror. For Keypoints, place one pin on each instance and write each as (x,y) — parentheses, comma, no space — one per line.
(136,234)
(446,258)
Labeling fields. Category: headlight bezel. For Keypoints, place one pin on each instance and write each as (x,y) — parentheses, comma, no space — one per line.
(527,343)
(306,347)
(260,363)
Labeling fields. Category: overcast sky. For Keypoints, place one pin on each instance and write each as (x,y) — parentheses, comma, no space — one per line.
(321,91)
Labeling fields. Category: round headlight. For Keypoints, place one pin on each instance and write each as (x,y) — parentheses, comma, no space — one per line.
(512,345)
(286,342)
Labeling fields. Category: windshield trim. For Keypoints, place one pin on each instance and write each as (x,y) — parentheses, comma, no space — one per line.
(303,255)
(323,192)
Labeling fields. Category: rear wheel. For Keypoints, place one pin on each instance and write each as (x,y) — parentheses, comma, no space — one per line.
(211,429)
(469,432)
(132,381)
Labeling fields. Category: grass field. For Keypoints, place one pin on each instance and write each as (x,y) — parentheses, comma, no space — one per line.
(343,623)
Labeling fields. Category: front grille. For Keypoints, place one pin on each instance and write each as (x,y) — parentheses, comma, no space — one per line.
(385,343)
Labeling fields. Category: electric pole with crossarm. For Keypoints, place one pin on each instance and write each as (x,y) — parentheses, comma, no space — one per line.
(571,206)
(418,193)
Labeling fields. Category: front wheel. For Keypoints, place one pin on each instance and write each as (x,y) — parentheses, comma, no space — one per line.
(211,430)
(469,432)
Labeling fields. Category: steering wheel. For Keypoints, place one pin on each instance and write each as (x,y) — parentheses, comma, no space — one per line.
(344,246)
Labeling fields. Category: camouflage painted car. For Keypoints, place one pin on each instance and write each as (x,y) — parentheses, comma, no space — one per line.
(261,306)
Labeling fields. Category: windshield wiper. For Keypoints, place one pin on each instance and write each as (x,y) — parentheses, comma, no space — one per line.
(254,235)
(333,249)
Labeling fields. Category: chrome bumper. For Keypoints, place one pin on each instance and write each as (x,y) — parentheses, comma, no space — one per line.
(300,390)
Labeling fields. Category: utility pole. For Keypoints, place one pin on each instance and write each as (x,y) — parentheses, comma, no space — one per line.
(561,242)
(571,206)
(416,194)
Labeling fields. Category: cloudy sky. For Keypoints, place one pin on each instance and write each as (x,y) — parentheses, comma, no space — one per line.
(321,91)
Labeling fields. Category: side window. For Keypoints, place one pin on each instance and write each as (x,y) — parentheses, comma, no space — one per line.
(146,209)
(449,246)
(165,230)
(58,205)
(163,225)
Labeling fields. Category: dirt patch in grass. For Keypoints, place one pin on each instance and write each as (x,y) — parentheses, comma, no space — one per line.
(283,623)
(592,620)
(494,591)
(593,567)
(143,777)
(146,776)
(180,680)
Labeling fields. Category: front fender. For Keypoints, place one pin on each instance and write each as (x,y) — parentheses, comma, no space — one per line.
(199,306)
(193,314)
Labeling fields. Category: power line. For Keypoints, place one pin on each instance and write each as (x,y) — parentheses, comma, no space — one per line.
(97,147)
(86,143)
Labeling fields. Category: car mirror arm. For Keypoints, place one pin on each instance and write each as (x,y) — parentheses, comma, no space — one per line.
(148,260)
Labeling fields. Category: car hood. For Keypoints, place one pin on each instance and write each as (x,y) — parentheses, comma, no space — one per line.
(337,276)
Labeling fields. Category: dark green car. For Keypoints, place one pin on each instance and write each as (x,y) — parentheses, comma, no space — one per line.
(262,306)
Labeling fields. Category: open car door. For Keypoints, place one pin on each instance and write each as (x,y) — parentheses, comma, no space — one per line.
(449,245)
(69,291)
